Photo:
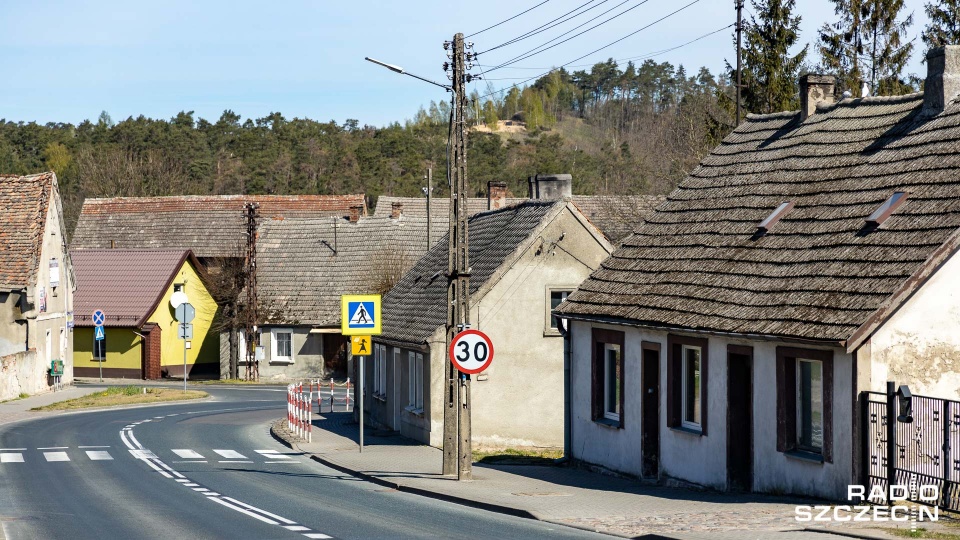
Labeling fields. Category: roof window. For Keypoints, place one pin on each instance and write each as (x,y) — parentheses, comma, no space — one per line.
(773,218)
(887,208)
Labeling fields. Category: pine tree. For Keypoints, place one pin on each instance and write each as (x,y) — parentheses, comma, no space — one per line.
(944,27)
(769,72)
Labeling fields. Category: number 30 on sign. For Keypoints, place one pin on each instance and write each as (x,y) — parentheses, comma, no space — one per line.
(471,351)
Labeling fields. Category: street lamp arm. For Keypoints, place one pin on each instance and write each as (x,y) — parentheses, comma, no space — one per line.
(400,70)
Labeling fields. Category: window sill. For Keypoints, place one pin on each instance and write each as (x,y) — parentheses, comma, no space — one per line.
(414,411)
(607,423)
(804,455)
(689,431)
(284,361)
(552,333)
(380,397)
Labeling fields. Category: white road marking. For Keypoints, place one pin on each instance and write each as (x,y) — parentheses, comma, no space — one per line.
(219,500)
(54,448)
(316,535)
(157,417)
(234,461)
(93,447)
(191,484)
(230,454)
(297,528)
(192,461)
(143,454)
(273,454)
(264,512)
(201,489)
(212,494)
(13,449)
(99,455)
(186,453)
(56,456)
(11,458)
(184,480)
(281,462)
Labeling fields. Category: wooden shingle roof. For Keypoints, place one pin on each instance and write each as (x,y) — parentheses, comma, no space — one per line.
(24,201)
(209,225)
(821,272)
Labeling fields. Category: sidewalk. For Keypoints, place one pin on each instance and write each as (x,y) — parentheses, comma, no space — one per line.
(563,495)
(19,409)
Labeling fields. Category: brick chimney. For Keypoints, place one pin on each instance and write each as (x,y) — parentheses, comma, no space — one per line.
(943,79)
(815,89)
(550,187)
(496,195)
(396,210)
(355,212)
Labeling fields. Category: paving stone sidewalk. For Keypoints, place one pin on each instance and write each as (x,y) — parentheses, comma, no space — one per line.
(19,409)
(561,494)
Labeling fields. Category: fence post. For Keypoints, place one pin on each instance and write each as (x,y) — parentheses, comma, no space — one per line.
(865,441)
(947,460)
(891,437)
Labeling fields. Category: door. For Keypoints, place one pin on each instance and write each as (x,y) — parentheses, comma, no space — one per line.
(740,418)
(651,411)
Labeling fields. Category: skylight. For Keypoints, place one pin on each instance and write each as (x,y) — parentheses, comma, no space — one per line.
(887,208)
(773,218)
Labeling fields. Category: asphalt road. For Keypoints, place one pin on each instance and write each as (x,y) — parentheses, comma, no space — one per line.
(208,470)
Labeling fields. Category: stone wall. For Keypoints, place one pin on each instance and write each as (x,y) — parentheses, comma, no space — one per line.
(22,373)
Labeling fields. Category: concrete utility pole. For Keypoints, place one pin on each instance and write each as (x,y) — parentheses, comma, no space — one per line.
(457,452)
(251,318)
(739,4)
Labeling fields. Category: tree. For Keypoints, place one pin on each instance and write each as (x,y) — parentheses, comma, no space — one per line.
(867,44)
(490,117)
(944,27)
(769,73)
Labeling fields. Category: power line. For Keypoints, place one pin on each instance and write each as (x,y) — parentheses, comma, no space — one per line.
(544,27)
(507,20)
(534,51)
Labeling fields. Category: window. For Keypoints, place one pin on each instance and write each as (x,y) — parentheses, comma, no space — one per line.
(887,208)
(608,391)
(688,368)
(178,287)
(554,298)
(380,370)
(810,405)
(419,382)
(611,381)
(282,350)
(691,387)
(383,370)
(415,383)
(376,369)
(804,403)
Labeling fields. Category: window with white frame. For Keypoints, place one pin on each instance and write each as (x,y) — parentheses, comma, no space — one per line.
(554,298)
(380,370)
(611,381)
(809,405)
(282,345)
(383,370)
(691,387)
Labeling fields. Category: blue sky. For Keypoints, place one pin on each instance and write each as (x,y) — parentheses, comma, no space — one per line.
(68,60)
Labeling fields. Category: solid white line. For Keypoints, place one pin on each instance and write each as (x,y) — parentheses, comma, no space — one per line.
(187,454)
(54,448)
(56,456)
(168,468)
(238,509)
(264,512)
(134,440)
(99,455)
(234,461)
(11,458)
(93,447)
(297,528)
(13,449)
(143,454)
(230,454)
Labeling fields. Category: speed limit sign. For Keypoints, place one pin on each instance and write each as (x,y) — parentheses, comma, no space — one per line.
(471,351)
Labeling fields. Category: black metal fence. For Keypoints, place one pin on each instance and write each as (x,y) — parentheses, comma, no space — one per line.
(924,445)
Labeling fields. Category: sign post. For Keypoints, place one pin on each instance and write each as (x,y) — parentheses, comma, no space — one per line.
(360,319)
(185,313)
(98,335)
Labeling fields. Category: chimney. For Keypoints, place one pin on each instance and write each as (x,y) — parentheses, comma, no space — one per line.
(355,212)
(550,187)
(943,79)
(815,89)
(396,210)
(496,195)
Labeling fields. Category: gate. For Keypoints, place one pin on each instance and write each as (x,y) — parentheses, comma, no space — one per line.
(925,451)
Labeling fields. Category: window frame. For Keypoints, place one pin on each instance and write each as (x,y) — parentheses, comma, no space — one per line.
(684,422)
(548,328)
(787,400)
(607,390)
(600,339)
(411,380)
(274,342)
(675,344)
(420,374)
(799,397)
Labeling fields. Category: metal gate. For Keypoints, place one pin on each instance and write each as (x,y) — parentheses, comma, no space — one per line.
(926,450)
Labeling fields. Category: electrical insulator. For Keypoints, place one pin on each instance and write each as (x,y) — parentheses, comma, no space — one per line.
(446,45)
(446,66)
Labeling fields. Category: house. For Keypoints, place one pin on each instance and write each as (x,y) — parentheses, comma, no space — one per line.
(36,285)
(133,288)
(305,265)
(524,260)
(809,257)
(613,215)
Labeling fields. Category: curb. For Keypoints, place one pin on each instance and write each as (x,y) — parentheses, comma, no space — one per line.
(408,489)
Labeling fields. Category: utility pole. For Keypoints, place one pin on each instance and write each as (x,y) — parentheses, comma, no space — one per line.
(457,452)
(739,49)
(253,217)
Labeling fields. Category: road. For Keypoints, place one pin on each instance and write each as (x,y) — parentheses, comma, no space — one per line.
(208,470)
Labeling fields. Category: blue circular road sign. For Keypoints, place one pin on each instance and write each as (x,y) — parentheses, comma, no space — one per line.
(98,318)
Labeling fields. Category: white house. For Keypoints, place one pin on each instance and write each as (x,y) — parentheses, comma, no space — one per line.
(810,256)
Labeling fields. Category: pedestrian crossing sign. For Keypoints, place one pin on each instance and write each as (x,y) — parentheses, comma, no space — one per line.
(98,333)
(360,314)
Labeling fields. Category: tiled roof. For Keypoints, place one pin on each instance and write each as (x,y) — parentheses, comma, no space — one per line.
(24,201)
(820,272)
(304,265)
(614,216)
(415,307)
(125,284)
(210,226)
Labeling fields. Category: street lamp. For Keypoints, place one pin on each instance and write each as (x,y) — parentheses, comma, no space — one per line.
(400,70)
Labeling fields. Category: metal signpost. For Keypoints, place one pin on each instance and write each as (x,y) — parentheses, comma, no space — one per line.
(184,314)
(360,319)
(98,334)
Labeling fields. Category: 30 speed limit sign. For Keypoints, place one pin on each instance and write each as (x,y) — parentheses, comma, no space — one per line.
(471,351)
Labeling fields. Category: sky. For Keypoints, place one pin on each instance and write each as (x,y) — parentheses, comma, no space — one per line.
(68,60)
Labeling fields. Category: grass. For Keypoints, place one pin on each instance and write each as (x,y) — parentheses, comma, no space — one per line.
(123,395)
(21,396)
(517,456)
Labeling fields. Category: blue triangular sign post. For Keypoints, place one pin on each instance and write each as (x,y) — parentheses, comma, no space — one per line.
(98,333)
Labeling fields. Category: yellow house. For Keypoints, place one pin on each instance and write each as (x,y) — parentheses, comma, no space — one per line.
(133,289)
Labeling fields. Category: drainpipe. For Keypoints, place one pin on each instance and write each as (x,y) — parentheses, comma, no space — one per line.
(563,326)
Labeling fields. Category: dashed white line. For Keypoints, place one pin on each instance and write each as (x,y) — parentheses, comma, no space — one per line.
(143,454)
(99,455)
(296,528)
(219,500)
(93,447)
(186,453)
(230,454)
(53,448)
(13,449)
(11,457)
(264,512)
(56,456)
(234,461)
(316,535)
